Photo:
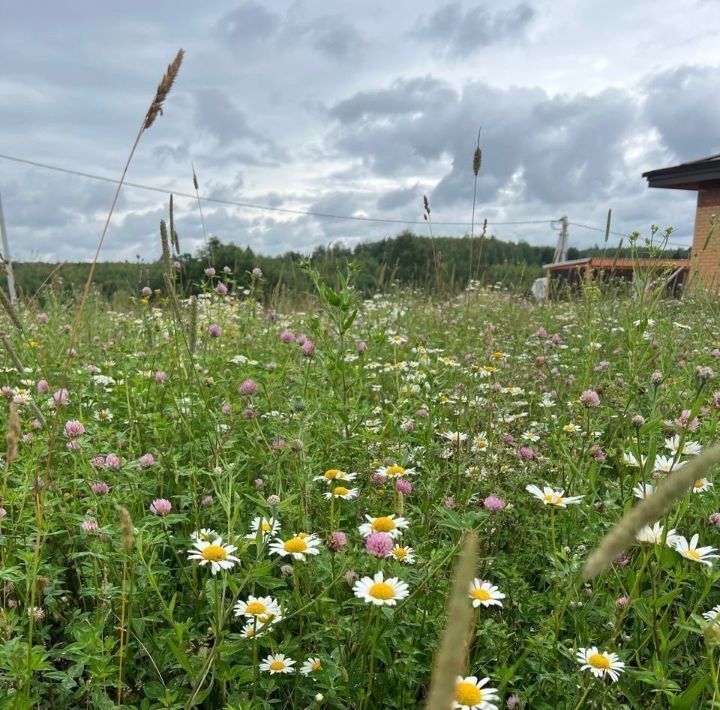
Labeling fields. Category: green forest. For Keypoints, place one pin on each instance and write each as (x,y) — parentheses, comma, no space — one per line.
(443,264)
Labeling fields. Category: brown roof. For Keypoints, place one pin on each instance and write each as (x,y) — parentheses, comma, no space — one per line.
(617,264)
(687,176)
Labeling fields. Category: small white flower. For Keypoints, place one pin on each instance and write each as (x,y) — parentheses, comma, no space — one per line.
(643,490)
(701,485)
(341,492)
(550,496)
(263,610)
(483,593)
(312,665)
(667,464)
(472,694)
(600,663)
(298,546)
(403,554)
(217,553)
(713,614)
(269,526)
(654,535)
(277,663)
(690,551)
(380,591)
(335,474)
(386,523)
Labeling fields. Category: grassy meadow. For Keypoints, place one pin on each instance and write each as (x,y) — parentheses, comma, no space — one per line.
(218,503)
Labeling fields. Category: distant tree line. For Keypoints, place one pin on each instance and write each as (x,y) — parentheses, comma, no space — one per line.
(445,263)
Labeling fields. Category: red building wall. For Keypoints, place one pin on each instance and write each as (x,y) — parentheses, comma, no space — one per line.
(705,256)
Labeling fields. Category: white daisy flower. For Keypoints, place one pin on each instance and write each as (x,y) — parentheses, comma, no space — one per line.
(387,524)
(394,471)
(550,496)
(689,448)
(483,593)
(404,554)
(217,553)
(268,526)
(380,591)
(643,490)
(571,428)
(341,492)
(654,535)
(667,464)
(253,630)
(631,461)
(277,663)
(690,550)
(455,437)
(264,610)
(701,485)
(335,474)
(471,694)
(713,614)
(312,665)
(204,534)
(600,663)
(480,443)
(299,546)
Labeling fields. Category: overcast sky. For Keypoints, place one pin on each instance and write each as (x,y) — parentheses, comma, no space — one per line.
(352,108)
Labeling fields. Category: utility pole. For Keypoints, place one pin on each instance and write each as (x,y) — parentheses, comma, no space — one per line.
(6,256)
(563,237)
(562,243)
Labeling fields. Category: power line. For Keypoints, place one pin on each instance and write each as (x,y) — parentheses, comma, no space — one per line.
(287,210)
(249,205)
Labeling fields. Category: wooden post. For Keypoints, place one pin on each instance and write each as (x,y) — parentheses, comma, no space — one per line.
(7,257)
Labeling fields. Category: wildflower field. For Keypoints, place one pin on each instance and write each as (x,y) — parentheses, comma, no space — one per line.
(219,503)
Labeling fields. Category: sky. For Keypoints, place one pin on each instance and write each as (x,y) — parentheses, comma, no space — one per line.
(355,108)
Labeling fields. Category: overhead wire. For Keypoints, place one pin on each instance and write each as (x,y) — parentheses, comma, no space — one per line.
(250,205)
(292,211)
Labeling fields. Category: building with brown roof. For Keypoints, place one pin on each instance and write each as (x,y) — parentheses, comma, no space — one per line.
(704,177)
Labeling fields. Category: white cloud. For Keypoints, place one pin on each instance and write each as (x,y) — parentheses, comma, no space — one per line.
(299,105)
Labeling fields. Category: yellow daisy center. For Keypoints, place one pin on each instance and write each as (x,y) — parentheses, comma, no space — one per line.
(692,554)
(479,593)
(468,694)
(250,633)
(214,553)
(295,545)
(255,608)
(383,524)
(316,666)
(265,527)
(381,590)
(277,665)
(599,660)
(332,473)
(699,483)
(340,491)
(400,552)
(395,470)
(552,498)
